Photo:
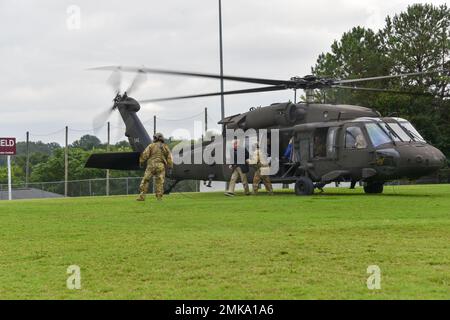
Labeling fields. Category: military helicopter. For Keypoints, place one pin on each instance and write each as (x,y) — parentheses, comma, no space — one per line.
(330,143)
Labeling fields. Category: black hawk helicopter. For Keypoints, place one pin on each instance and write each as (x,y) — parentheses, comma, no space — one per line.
(331,143)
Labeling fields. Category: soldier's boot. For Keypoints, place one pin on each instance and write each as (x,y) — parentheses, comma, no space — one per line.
(247,191)
(141,197)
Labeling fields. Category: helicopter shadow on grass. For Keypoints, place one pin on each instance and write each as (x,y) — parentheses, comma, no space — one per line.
(335,194)
(395,194)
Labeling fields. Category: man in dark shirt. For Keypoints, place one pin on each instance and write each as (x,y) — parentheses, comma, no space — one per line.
(239,170)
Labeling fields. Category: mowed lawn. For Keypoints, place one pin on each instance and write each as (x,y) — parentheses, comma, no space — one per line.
(207,246)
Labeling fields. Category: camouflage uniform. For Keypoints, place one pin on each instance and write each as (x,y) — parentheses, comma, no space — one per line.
(259,161)
(158,157)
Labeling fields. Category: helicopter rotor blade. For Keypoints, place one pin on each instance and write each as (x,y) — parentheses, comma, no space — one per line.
(254,90)
(402,75)
(383,90)
(115,80)
(197,74)
(101,119)
(138,80)
(307,82)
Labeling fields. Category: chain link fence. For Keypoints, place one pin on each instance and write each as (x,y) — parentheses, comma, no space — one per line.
(90,187)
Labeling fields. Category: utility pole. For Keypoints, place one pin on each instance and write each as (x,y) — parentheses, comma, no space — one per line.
(206,120)
(66,164)
(27,166)
(222,99)
(107,149)
(154,133)
(444,41)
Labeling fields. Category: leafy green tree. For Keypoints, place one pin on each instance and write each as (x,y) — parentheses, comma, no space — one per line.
(87,142)
(16,174)
(416,40)
(358,54)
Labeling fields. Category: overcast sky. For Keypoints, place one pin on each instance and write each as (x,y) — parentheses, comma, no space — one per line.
(44,84)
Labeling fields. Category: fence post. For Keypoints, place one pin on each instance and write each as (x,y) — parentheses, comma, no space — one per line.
(107,149)
(66,163)
(27,166)
(127,185)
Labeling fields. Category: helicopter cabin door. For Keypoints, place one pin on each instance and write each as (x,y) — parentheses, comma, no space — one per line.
(302,147)
(323,150)
(355,150)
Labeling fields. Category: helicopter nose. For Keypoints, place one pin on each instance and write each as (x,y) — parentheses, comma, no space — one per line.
(421,160)
(438,158)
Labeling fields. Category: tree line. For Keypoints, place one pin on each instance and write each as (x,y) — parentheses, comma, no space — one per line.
(46,163)
(416,40)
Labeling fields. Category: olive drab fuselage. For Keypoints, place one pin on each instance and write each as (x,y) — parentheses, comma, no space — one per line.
(331,143)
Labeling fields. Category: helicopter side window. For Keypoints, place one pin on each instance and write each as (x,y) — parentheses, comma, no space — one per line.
(331,142)
(354,138)
(320,143)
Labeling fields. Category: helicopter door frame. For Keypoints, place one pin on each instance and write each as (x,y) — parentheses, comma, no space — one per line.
(355,157)
(332,145)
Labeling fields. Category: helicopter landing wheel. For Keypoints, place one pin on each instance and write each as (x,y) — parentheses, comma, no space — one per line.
(304,187)
(373,188)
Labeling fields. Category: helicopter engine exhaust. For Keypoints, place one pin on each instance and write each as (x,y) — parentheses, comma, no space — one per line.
(279,114)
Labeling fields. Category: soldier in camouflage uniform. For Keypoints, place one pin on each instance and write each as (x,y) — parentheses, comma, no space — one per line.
(158,158)
(261,164)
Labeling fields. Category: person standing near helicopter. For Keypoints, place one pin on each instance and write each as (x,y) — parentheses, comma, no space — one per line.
(261,164)
(239,171)
(158,158)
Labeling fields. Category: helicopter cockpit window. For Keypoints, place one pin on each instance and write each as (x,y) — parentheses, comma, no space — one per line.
(412,131)
(399,131)
(354,138)
(389,131)
(376,134)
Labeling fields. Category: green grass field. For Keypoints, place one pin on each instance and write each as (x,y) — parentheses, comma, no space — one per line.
(207,246)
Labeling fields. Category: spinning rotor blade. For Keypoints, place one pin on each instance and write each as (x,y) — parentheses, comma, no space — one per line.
(384,90)
(115,80)
(201,75)
(138,80)
(402,75)
(101,119)
(262,89)
(307,82)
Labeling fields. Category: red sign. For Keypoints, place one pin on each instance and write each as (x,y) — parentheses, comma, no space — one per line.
(8,146)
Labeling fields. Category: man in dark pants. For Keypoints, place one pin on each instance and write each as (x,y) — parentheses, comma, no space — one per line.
(239,171)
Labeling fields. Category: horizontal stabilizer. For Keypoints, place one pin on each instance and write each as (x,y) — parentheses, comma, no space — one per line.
(114,161)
